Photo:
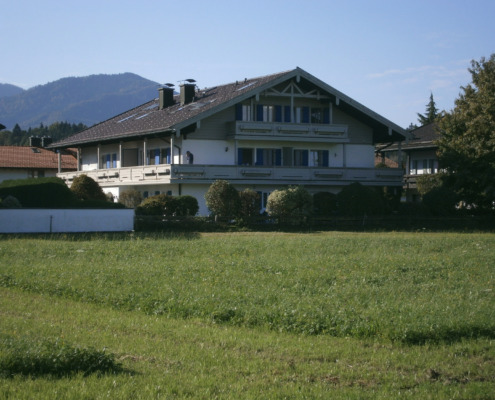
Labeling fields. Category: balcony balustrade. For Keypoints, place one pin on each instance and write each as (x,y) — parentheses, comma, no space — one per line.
(186,173)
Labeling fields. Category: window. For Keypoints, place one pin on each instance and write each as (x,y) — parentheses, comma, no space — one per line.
(318,158)
(316,116)
(259,156)
(264,200)
(243,112)
(109,160)
(245,156)
(158,156)
(301,158)
(269,157)
(414,167)
(36,173)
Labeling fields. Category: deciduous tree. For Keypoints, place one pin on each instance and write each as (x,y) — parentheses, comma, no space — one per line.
(467,138)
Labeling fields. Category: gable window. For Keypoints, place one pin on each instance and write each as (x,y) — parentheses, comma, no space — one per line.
(243,112)
(316,116)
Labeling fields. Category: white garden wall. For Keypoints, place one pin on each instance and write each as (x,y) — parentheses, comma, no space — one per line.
(30,220)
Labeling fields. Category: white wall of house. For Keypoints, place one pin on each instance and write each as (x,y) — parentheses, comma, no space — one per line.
(210,152)
(19,173)
(359,156)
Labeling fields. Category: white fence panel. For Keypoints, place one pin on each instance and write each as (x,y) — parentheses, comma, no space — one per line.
(55,220)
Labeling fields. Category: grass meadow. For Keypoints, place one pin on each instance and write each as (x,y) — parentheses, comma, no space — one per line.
(248,315)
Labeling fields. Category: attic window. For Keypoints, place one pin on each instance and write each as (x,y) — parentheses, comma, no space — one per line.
(35,150)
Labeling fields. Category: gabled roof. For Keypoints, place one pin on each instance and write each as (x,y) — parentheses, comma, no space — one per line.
(34,157)
(149,120)
(423,137)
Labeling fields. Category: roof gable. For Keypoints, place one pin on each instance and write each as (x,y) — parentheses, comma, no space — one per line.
(148,119)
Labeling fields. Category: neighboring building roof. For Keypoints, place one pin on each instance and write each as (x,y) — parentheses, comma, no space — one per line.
(34,157)
(148,119)
(421,138)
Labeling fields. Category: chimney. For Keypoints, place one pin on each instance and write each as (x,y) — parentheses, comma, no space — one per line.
(187,91)
(166,96)
(45,141)
(34,141)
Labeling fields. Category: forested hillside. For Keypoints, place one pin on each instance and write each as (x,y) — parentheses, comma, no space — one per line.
(57,131)
(87,100)
(7,90)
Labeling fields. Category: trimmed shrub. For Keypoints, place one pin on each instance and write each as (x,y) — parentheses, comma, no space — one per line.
(357,200)
(10,202)
(250,205)
(130,198)
(161,204)
(223,199)
(324,204)
(294,201)
(39,192)
(186,206)
(86,188)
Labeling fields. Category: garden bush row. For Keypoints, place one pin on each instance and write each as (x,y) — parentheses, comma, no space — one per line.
(53,193)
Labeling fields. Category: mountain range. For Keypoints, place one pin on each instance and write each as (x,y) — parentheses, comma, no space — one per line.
(86,100)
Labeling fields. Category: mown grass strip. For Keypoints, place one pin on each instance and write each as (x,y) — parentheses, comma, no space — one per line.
(408,287)
(169,358)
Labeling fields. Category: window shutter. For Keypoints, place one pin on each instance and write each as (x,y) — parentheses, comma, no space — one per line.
(305,158)
(278,113)
(238,112)
(239,156)
(259,156)
(278,157)
(167,155)
(305,115)
(325,158)
(286,113)
(326,115)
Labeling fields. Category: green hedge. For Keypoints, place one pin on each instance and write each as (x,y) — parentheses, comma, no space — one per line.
(39,192)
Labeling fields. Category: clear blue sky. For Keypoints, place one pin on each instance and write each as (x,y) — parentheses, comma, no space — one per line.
(387,54)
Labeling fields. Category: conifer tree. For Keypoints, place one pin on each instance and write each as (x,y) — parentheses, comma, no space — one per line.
(431,112)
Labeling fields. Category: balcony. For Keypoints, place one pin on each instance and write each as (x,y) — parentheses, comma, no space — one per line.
(185,173)
(289,131)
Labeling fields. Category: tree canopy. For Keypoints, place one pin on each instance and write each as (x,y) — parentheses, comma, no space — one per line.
(57,131)
(467,138)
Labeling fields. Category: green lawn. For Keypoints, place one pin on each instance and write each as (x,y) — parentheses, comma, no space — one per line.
(255,315)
